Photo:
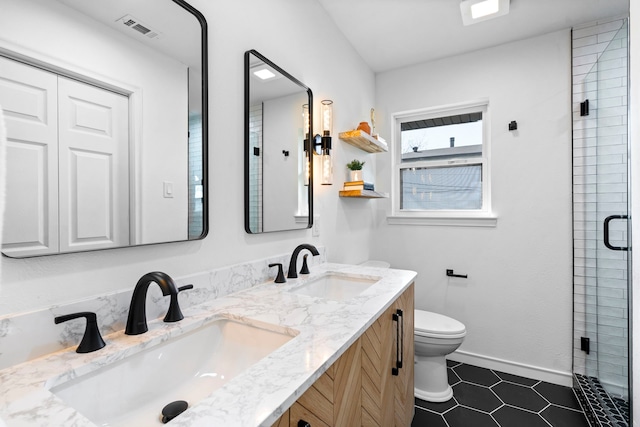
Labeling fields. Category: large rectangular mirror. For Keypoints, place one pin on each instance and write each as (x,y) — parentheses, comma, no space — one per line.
(105,104)
(278,123)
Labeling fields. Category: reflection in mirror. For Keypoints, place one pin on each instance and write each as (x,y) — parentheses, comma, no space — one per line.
(278,122)
(106,114)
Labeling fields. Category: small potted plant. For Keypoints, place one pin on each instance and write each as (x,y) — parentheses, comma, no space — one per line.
(355,170)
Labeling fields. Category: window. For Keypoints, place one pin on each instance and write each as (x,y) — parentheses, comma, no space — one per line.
(441,162)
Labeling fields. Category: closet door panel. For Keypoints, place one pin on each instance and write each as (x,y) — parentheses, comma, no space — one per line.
(94,167)
(28,98)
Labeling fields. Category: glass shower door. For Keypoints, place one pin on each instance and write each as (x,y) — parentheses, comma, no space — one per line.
(606,229)
(611,217)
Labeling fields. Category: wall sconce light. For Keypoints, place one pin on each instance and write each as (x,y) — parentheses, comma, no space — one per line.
(305,121)
(306,143)
(326,110)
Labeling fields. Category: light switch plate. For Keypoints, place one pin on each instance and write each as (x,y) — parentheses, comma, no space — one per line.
(167,189)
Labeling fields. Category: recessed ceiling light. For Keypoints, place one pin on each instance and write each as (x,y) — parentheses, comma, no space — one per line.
(484,8)
(264,74)
(480,10)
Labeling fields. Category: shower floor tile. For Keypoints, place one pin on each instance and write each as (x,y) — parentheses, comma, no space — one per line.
(602,409)
(483,397)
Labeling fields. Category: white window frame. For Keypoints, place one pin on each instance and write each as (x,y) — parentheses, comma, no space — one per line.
(483,217)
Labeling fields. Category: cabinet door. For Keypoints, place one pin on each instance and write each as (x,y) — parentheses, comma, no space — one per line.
(403,382)
(347,387)
(378,359)
(283,421)
(315,406)
(335,398)
(28,97)
(387,398)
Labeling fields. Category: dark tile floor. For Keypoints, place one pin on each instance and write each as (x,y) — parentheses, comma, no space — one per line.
(483,397)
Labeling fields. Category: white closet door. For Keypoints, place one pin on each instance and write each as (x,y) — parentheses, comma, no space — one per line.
(29,100)
(94,167)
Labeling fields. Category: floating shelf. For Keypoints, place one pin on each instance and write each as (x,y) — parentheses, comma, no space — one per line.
(364,141)
(363,194)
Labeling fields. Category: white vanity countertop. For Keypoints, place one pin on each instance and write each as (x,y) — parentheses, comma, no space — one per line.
(256,397)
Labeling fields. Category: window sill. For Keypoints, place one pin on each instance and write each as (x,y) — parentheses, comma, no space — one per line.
(449,221)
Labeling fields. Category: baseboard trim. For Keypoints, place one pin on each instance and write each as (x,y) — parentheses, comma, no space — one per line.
(514,368)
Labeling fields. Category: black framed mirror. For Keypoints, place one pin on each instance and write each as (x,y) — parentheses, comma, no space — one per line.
(278,125)
(107,122)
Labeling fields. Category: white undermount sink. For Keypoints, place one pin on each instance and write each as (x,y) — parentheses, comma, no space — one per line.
(189,367)
(337,287)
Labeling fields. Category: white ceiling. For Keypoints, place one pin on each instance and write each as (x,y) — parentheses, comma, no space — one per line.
(180,31)
(396,33)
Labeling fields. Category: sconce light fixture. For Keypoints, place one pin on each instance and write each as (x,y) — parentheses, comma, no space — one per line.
(323,141)
(305,120)
(308,158)
(326,110)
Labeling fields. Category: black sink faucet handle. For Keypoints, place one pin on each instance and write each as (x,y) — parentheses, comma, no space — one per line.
(305,267)
(280,277)
(92,340)
(174,314)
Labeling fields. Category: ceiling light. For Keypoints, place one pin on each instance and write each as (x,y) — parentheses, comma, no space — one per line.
(484,8)
(264,74)
(480,10)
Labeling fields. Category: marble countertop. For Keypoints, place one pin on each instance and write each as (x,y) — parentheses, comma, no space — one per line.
(323,330)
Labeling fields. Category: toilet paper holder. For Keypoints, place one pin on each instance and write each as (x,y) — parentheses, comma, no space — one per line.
(450,273)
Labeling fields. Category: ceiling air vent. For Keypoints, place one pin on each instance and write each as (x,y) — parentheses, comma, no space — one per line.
(140,27)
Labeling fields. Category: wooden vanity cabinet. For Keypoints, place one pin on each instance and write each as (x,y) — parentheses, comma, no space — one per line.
(334,399)
(387,396)
(362,388)
(404,405)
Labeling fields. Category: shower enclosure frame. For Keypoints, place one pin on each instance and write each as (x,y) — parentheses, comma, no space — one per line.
(602,324)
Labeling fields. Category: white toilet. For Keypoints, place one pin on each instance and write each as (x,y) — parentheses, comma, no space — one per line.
(435,337)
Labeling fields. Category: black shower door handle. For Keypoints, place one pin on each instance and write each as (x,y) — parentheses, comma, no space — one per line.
(607,220)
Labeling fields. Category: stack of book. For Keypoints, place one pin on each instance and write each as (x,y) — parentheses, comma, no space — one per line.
(359,189)
(357,185)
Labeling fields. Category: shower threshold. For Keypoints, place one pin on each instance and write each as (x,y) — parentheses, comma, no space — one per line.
(601,409)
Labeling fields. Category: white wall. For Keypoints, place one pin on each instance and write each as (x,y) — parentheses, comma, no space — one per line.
(634,132)
(281,130)
(282,30)
(517,301)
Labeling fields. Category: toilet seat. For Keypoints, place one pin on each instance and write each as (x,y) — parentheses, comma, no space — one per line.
(434,325)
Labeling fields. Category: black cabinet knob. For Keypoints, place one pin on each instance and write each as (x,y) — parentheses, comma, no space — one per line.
(303,423)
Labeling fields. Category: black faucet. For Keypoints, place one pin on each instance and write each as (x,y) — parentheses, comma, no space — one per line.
(292,274)
(137,320)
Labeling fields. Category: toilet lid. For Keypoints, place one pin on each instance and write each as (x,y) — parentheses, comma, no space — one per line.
(427,323)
